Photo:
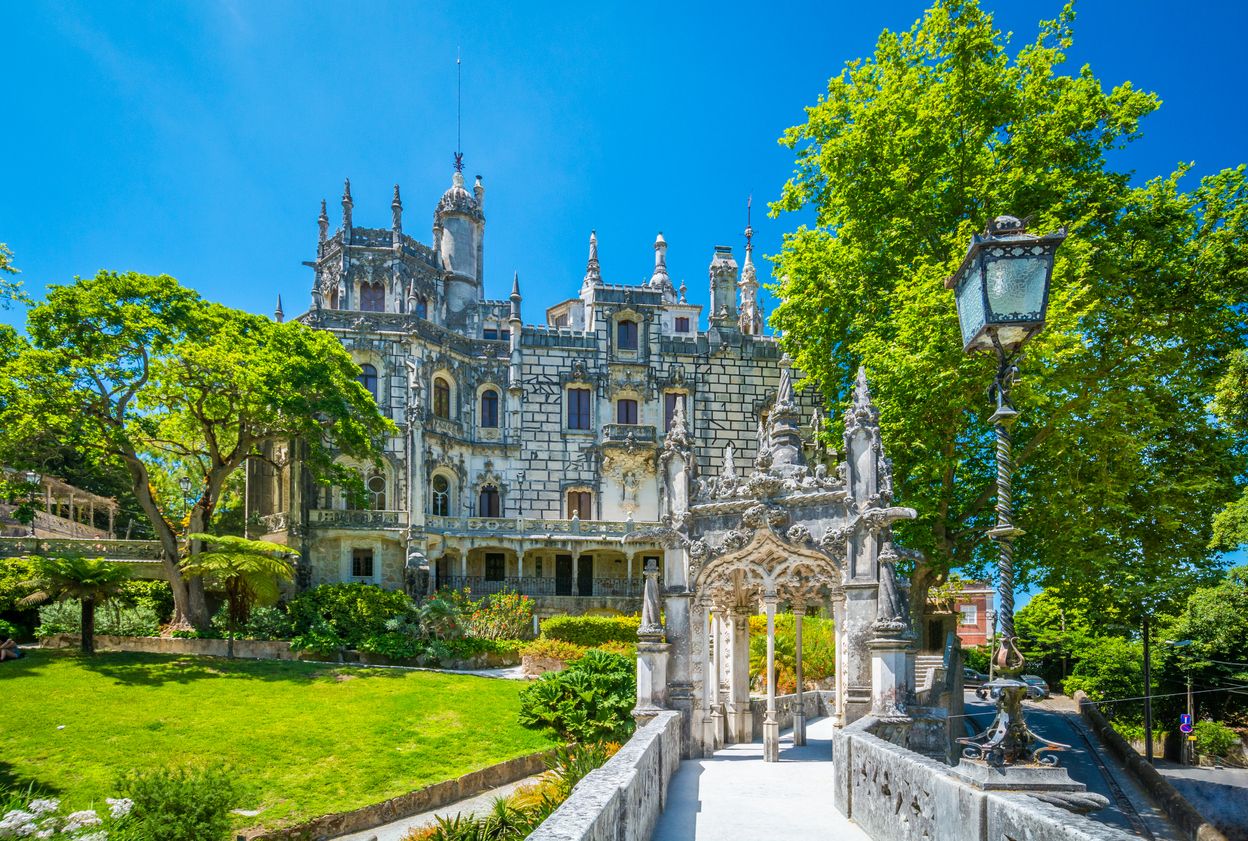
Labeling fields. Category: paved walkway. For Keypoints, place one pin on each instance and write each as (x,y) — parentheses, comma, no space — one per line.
(735,795)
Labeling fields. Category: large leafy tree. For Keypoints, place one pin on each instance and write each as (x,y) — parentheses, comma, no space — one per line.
(1213,630)
(139,371)
(1120,465)
(88,580)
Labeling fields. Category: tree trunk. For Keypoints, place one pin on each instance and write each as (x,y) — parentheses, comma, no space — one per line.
(88,627)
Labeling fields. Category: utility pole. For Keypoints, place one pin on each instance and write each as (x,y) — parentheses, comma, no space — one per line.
(1189,747)
(1148,694)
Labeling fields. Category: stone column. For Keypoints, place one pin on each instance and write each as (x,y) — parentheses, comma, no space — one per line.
(709,681)
(838,625)
(799,710)
(740,718)
(771,726)
(463,566)
(652,654)
(717,671)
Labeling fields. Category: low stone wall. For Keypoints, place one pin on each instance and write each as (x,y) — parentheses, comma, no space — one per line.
(895,794)
(413,803)
(622,800)
(1182,813)
(245,649)
(816,703)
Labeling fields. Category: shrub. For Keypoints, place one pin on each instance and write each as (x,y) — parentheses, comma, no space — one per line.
(592,630)
(141,593)
(590,701)
(1214,738)
(263,623)
(334,616)
(180,805)
(553,649)
(1112,667)
(977,657)
(66,618)
(624,649)
(504,615)
(8,630)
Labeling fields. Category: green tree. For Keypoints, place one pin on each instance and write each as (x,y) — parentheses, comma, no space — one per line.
(89,581)
(138,371)
(10,290)
(1120,467)
(1230,527)
(250,572)
(1215,620)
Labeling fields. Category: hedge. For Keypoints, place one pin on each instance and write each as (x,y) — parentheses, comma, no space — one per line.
(590,631)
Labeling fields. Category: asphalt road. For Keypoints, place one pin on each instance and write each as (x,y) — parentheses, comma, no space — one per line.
(1129,808)
(1219,794)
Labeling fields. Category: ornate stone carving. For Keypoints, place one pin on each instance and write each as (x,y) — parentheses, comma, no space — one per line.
(798,534)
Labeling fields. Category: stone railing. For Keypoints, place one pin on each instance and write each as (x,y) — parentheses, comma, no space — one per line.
(533,526)
(273,523)
(146,551)
(876,782)
(327,518)
(624,432)
(622,800)
(545,586)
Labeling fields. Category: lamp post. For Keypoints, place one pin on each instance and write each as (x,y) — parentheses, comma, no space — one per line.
(32,481)
(1002,291)
(1186,752)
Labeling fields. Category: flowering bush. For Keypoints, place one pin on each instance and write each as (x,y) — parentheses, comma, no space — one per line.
(505,615)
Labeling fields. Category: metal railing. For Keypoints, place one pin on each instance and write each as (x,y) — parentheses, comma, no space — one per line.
(527,585)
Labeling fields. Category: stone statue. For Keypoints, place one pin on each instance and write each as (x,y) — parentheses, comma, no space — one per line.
(650,624)
(729,473)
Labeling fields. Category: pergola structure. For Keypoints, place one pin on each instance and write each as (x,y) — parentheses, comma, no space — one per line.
(788,534)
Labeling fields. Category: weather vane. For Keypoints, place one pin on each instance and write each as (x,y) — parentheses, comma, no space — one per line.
(459,109)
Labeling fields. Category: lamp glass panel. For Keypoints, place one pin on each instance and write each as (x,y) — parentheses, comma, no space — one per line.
(970,304)
(1015,283)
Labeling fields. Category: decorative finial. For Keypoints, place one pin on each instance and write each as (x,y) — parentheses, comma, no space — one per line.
(347,203)
(322,223)
(515,286)
(749,228)
(459,110)
(396,216)
(278,315)
(683,290)
(593,272)
(396,202)
(660,277)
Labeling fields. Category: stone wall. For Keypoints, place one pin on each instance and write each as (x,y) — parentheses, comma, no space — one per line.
(816,703)
(243,649)
(895,794)
(622,800)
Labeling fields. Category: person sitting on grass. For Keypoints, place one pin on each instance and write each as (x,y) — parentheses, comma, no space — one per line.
(9,650)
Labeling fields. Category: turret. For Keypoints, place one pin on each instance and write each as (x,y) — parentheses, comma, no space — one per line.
(751,318)
(459,226)
(723,287)
(660,279)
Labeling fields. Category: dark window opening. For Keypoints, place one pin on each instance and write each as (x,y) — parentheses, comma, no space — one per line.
(491,334)
(489,409)
(377,492)
(580,503)
(578,408)
(495,566)
(626,411)
(368,379)
(487,502)
(441,496)
(372,297)
(441,398)
(361,563)
(682,325)
(626,335)
(422,307)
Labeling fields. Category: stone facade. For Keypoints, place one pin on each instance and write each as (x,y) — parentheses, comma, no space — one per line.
(527,453)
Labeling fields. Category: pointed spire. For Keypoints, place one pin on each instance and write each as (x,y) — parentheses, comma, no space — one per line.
(861,411)
(515,298)
(593,272)
(750,320)
(660,277)
(278,315)
(347,204)
(322,223)
(396,217)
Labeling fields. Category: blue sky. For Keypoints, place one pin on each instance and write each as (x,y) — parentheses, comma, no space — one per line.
(197,139)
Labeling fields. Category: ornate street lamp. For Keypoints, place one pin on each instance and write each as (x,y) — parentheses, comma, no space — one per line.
(32,480)
(1002,291)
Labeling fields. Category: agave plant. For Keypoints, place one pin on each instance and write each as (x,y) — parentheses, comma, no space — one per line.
(250,572)
(89,580)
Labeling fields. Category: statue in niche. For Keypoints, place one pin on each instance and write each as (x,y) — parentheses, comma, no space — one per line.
(629,494)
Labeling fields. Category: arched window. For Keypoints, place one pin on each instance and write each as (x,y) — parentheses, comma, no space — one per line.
(441,397)
(376,492)
(422,307)
(487,502)
(626,335)
(372,297)
(489,409)
(368,379)
(441,496)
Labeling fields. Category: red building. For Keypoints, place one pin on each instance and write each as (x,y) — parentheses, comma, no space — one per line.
(971,608)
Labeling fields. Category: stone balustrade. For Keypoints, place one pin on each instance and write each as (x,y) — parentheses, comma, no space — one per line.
(895,794)
(533,527)
(546,586)
(618,433)
(622,800)
(326,518)
(144,551)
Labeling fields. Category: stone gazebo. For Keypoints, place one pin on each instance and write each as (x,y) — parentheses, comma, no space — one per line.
(791,534)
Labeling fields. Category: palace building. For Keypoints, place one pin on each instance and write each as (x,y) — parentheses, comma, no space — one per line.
(527,453)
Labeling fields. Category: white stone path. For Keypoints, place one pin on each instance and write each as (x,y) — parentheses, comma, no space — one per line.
(735,795)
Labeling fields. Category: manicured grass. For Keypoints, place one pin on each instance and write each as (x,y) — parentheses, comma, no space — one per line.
(303,739)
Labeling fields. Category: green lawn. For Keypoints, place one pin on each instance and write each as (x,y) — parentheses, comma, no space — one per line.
(304,739)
